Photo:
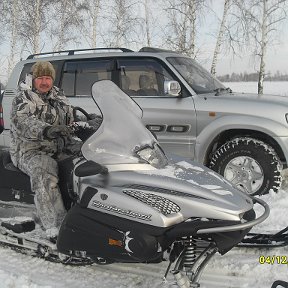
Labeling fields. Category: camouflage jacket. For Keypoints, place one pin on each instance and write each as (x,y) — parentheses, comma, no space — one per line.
(31,113)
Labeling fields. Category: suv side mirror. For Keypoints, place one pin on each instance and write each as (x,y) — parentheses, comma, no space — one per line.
(172,87)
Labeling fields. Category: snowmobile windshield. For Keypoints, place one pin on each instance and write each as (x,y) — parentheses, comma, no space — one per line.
(196,76)
(122,138)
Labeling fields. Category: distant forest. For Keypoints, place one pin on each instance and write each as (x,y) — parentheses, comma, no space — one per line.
(252,77)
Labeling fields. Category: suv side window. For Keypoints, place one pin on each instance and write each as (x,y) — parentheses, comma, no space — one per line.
(27,69)
(79,76)
(143,77)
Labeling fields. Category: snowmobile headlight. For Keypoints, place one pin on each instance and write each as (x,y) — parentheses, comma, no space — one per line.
(153,156)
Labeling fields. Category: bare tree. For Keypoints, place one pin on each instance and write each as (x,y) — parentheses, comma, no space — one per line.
(263,18)
(9,26)
(14,34)
(183,15)
(10,21)
(33,20)
(147,22)
(93,12)
(152,21)
(67,18)
(221,31)
(3,19)
(123,23)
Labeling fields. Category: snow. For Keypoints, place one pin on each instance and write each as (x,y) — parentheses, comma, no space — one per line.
(273,88)
(240,267)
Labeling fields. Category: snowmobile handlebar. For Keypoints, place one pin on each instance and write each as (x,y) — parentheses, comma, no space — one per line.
(84,112)
(242,226)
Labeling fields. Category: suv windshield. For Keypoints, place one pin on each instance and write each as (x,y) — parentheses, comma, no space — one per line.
(196,76)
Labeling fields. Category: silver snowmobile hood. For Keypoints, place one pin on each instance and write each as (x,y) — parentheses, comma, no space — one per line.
(137,164)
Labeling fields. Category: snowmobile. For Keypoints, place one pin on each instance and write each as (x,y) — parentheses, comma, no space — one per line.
(128,202)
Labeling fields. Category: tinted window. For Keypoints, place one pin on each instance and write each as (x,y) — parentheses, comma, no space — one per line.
(27,69)
(143,77)
(78,77)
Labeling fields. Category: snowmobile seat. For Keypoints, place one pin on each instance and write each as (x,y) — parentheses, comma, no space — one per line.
(12,190)
(7,162)
(22,186)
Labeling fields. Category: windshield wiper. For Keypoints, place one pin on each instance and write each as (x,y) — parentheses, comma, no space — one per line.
(222,91)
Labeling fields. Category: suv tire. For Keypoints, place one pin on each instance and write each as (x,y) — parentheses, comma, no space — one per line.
(250,164)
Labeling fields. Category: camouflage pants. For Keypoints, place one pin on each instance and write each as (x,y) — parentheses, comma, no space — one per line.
(43,172)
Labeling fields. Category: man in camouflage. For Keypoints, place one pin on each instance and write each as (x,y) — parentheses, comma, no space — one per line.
(40,136)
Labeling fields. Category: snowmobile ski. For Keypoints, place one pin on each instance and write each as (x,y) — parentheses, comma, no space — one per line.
(260,240)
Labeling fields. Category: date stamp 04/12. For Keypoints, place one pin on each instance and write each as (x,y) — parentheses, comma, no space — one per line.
(271,260)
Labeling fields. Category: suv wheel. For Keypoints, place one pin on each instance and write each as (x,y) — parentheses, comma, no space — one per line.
(251,165)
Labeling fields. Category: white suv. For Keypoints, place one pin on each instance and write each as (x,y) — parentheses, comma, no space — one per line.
(241,136)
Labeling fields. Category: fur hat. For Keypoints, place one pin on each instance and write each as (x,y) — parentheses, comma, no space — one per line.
(43,68)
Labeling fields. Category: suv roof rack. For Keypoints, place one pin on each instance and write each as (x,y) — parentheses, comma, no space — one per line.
(74,51)
(153,49)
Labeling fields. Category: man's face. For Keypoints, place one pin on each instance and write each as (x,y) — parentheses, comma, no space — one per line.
(43,84)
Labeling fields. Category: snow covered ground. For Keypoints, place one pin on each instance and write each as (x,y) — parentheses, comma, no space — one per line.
(238,268)
(273,88)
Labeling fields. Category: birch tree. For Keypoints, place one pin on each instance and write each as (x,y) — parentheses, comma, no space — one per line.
(263,19)
(123,23)
(227,4)
(232,32)
(10,20)
(14,34)
(183,15)
(147,22)
(33,20)
(67,19)
(91,27)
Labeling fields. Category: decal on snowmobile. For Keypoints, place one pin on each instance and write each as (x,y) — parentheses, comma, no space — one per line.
(114,242)
(121,211)
(127,239)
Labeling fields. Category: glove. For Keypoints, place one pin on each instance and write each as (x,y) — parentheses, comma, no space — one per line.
(53,132)
(92,116)
(82,118)
(95,122)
